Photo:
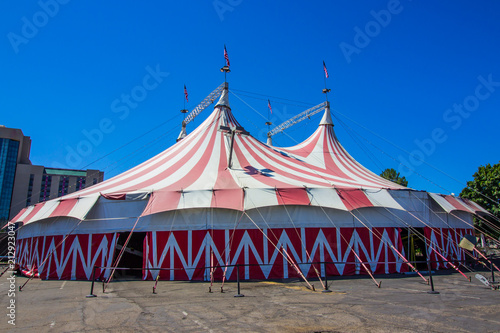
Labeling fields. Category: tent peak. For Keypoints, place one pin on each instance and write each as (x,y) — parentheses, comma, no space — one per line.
(327,117)
(224,98)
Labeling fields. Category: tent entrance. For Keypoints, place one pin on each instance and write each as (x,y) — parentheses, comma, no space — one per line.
(132,255)
(414,245)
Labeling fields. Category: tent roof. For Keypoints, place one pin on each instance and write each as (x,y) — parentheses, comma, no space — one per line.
(194,173)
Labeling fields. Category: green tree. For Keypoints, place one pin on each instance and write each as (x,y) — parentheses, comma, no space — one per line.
(484,190)
(393,176)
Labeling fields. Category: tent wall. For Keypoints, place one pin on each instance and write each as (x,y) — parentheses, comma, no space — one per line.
(191,252)
(185,238)
(73,259)
(445,241)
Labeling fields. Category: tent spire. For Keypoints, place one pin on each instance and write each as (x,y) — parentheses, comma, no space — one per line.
(327,117)
(224,98)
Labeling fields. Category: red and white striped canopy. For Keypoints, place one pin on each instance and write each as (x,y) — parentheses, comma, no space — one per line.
(451,203)
(195,173)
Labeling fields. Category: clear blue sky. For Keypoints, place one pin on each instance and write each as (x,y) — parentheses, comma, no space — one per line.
(396,71)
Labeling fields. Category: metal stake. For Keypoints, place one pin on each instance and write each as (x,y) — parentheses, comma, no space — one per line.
(430,279)
(92,286)
(326,290)
(238,280)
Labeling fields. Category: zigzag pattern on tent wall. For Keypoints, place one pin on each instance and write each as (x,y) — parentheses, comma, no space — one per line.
(194,251)
(445,240)
(190,252)
(73,259)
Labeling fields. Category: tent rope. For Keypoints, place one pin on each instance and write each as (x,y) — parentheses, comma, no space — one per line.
(286,256)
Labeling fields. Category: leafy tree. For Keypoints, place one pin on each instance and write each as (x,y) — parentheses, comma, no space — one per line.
(484,189)
(393,176)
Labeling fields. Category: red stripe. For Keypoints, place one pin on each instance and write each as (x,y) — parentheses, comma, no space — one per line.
(349,163)
(64,207)
(228,198)
(331,164)
(306,150)
(18,216)
(162,201)
(35,210)
(354,199)
(190,177)
(304,167)
(114,196)
(256,174)
(293,196)
(455,203)
(155,161)
(224,179)
(301,167)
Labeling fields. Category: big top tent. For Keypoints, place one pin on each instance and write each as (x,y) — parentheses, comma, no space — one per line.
(220,198)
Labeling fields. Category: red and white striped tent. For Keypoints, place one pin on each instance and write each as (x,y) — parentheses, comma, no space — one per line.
(221,197)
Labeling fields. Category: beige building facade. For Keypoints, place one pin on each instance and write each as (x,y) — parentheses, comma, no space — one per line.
(23,184)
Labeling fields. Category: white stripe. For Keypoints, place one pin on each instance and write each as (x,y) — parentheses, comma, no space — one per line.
(209,175)
(300,165)
(45,211)
(172,177)
(83,206)
(26,213)
(196,199)
(162,161)
(382,198)
(260,197)
(448,207)
(326,197)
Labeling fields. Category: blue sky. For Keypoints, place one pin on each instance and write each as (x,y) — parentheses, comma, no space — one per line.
(410,80)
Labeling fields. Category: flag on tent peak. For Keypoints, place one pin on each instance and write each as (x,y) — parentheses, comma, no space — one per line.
(226,56)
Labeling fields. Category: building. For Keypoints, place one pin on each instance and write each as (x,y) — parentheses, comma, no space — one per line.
(23,184)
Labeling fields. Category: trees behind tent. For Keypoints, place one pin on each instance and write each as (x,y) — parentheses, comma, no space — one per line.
(484,190)
(393,176)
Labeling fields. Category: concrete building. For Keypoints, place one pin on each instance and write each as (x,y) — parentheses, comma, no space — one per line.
(23,184)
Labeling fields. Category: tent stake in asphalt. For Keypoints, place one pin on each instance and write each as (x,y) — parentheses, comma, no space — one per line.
(432,291)
(239,294)
(326,290)
(92,285)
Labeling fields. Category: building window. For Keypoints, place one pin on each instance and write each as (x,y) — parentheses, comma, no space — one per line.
(63,186)
(94,181)
(30,190)
(8,162)
(45,187)
(80,183)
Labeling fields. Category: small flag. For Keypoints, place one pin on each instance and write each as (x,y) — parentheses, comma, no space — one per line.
(186,93)
(226,56)
(269,106)
(326,71)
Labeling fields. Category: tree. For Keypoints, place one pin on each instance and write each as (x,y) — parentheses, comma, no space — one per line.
(393,176)
(484,189)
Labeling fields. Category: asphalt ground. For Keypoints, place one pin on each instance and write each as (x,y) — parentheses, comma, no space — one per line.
(355,304)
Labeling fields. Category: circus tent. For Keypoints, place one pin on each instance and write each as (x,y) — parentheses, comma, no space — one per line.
(219,197)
